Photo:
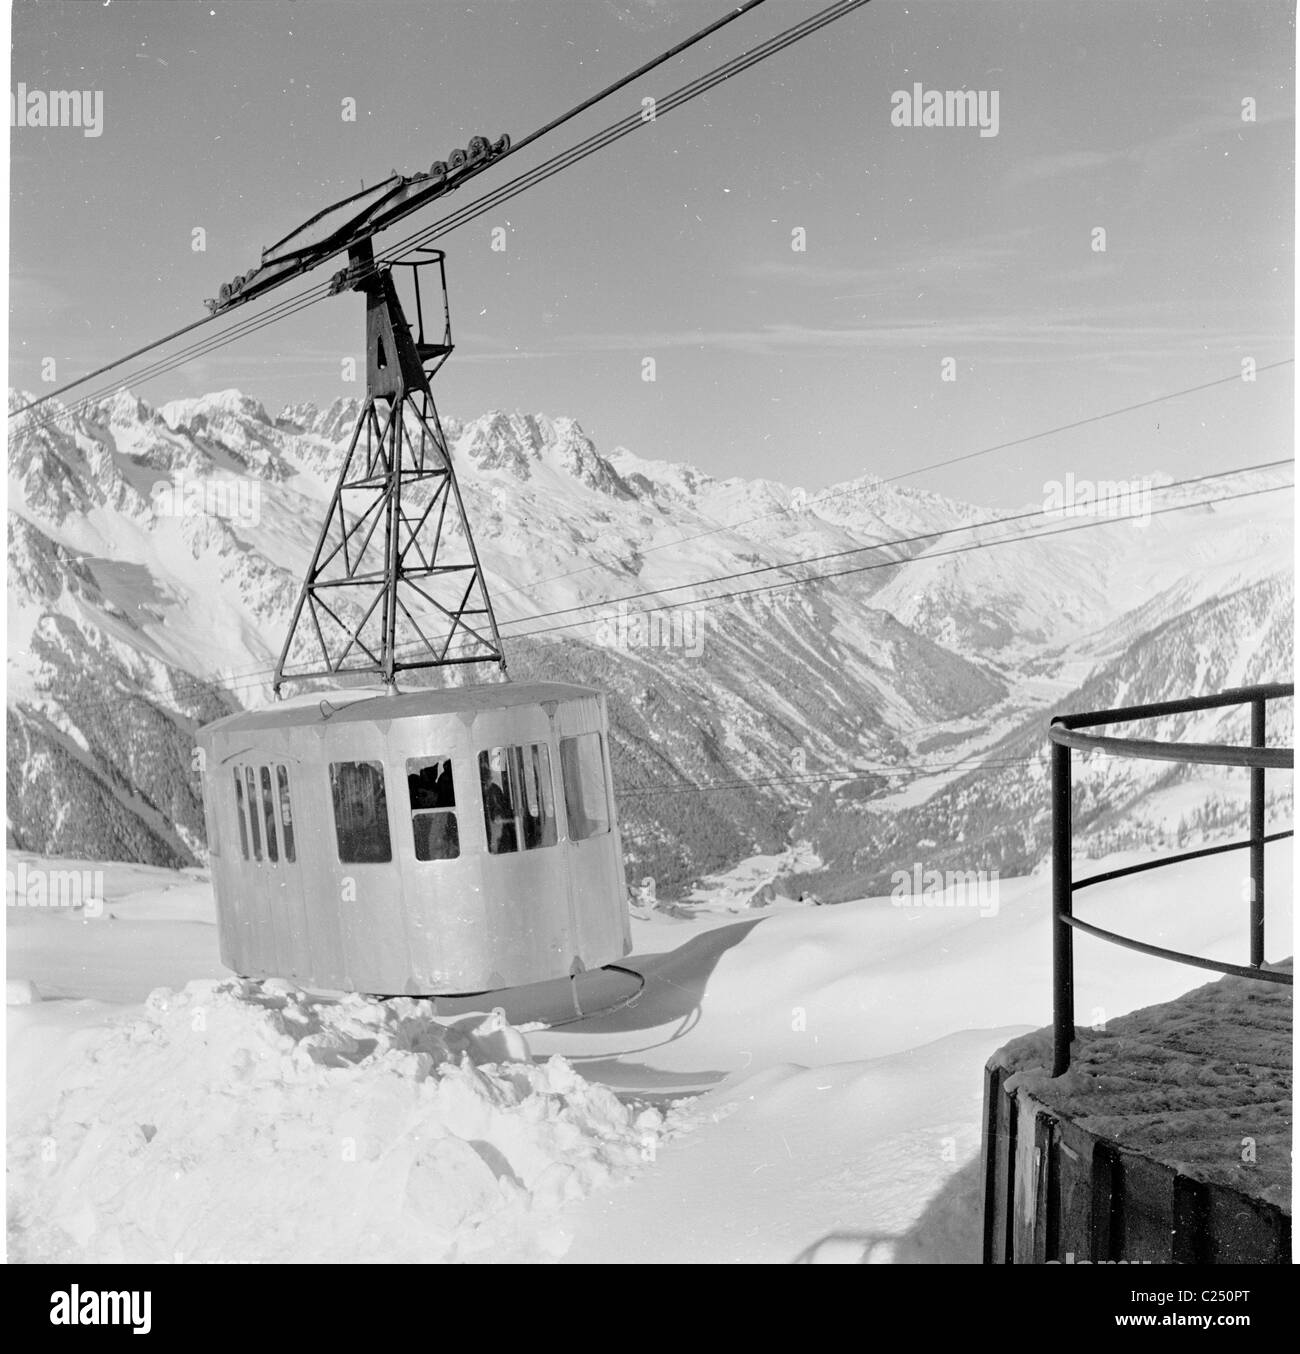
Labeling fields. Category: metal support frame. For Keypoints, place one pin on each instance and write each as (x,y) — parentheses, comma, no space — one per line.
(1065,735)
(1063,901)
(413,594)
(1257,839)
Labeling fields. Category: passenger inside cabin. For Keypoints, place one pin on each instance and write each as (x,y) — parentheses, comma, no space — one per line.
(433,808)
(360,812)
(498,812)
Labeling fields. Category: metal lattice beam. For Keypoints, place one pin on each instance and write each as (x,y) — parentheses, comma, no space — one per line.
(370,610)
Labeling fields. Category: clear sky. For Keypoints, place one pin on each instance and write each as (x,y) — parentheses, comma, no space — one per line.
(922,243)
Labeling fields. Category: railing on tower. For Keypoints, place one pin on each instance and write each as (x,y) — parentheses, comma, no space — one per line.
(1066,738)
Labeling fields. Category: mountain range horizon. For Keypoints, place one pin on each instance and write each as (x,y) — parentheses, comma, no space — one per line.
(850,677)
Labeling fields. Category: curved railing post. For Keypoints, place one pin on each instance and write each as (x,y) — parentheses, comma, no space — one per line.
(1257,740)
(1062,905)
(1066,733)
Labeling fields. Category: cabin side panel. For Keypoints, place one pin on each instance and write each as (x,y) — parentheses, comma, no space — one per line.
(320,954)
(597,888)
(439,845)
(248,944)
(355,833)
(223,853)
(528,931)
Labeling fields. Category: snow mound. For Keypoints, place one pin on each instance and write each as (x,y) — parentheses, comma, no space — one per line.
(238,1120)
(20,992)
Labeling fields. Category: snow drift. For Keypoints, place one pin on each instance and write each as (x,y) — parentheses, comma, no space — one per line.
(235,1121)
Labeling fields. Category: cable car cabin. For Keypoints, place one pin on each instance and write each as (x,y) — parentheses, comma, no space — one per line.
(423,843)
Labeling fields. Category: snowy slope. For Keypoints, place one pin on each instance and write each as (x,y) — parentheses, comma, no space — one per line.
(845,1046)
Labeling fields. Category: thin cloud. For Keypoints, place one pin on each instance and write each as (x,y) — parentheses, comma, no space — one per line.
(962,337)
(964,259)
(1154,153)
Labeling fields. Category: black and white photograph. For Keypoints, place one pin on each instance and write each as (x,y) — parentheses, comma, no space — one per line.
(651,632)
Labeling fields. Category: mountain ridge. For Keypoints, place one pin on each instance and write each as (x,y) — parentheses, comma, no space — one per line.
(155,554)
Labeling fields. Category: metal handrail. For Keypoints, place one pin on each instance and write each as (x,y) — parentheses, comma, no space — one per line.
(1065,737)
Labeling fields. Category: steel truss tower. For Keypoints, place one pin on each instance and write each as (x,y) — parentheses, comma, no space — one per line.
(395,582)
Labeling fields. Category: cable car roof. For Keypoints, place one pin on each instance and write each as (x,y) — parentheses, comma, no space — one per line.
(370,704)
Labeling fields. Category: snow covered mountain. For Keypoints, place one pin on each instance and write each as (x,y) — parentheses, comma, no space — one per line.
(155,554)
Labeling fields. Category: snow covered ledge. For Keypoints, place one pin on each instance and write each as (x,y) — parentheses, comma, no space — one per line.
(1168,1141)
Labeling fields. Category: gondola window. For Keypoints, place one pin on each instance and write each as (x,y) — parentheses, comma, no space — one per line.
(239,811)
(250,781)
(268,810)
(586,796)
(286,814)
(518,798)
(433,808)
(360,812)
